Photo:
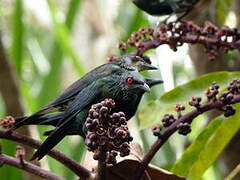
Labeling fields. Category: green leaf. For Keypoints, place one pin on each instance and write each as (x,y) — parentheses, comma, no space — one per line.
(17,47)
(52,81)
(62,36)
(191,154)
(152,112)
(135,20)
(222,9)
(215,145)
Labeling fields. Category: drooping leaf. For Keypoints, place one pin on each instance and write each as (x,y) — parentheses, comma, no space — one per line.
(222,9)
(215,145)
(62,36)
(52,81)
(184,164)
(17,28)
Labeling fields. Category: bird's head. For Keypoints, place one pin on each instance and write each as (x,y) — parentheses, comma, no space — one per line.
(133,82)
(127,84)
(138,63)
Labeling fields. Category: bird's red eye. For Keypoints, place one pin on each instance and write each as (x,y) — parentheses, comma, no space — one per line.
(138,58)
(129,80)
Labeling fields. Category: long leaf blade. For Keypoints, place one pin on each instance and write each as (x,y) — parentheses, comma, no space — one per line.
(152,112)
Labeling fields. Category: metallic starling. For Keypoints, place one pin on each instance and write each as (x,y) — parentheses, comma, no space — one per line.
(125,87)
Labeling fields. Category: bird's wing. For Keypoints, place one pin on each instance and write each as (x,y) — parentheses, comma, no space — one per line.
(67,96)
(85,98)
(72,91)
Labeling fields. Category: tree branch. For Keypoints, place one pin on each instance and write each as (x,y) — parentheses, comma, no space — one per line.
(174,127)
(209,36)
(28,167)
(72,165)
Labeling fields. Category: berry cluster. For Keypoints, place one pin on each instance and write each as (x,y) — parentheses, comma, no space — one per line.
(179,108)
(156,129)
(227,97)
(183,125)
(234,86)
(212,91)
(195,101)
(7,122)
(184,128)
(228,110)
(212,38)
(167,120)
(137,38)
(107,132)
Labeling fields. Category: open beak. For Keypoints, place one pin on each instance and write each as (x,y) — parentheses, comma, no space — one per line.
(145,87)
(153,82)
(149,67)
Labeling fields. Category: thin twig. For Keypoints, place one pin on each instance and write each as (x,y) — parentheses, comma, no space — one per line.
(173,128)
(71,164)
(28,167)
(233,173)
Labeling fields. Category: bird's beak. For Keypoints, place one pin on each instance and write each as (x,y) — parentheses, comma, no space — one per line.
(145,87)
(149,67)
(153,82)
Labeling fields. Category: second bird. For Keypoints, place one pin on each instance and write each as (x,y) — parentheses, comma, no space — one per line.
(165,7)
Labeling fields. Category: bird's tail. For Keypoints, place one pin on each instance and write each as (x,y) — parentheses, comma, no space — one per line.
(55,137)
(26,120)
(47,145)
(38,119)
(50,119)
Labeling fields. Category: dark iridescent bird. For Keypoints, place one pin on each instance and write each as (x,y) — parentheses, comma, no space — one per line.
(53,119)
(165,7)
(126,62)
(125,87)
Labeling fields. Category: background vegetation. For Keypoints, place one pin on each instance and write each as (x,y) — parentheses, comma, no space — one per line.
(51,43)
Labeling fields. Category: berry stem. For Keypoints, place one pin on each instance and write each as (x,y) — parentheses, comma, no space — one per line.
(174,127)
(209,36)
(101,171)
